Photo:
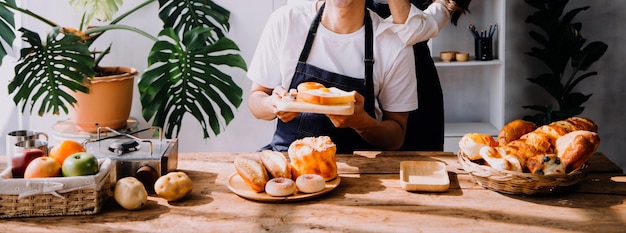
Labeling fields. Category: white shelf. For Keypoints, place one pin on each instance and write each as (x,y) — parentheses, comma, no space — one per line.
(473,90)
(460,129)
(439,63)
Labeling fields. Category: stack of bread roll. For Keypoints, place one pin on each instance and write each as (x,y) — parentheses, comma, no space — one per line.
(557,148)
(311,163)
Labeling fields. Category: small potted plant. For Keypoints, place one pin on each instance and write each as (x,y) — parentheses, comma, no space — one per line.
(183,74)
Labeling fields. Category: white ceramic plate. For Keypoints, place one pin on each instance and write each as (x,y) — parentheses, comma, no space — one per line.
(301,106)
(239,187)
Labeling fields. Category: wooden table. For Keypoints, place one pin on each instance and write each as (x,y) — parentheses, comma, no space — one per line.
(369,199)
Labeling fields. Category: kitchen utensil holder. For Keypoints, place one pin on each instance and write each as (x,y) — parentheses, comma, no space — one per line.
(483,47)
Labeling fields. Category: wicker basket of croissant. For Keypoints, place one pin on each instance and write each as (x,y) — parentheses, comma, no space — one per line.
(527,159)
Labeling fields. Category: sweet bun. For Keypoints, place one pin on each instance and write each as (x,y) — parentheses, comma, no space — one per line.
(313,155)
(317,93)
(275,163)
(252,173)
(471,143)
(546,164)
(514,130)
(575,148)
(280,187)
(310,183)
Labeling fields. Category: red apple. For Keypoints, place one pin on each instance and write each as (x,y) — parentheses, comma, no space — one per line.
(80,164)
(42,167)
(21,160)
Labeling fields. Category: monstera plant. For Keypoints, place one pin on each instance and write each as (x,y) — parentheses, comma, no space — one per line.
(561,44)
(183,74)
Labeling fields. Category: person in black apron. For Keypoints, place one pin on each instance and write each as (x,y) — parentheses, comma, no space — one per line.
(313,125)
(425,125)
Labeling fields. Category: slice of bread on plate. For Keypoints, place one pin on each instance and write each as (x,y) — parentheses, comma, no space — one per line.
(316,93)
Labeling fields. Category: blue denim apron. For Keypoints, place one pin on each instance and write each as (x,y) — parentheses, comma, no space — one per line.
(314,125)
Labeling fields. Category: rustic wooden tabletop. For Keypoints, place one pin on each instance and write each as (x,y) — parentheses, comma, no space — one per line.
(368,199)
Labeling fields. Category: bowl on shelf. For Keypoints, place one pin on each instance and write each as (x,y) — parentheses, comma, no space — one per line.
(462,56)
(447,56)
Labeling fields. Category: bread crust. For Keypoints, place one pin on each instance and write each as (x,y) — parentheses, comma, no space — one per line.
(471,144)
(275,163)
(252,172)
(313,155)
(514,130)
(575,148)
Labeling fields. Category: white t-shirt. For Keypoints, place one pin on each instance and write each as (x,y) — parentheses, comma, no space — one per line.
(283,38)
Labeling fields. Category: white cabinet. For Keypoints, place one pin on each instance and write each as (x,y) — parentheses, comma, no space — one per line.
(473,90)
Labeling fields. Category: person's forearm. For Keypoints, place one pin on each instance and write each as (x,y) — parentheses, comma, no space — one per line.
(399,10)
(386,134)
(259,104)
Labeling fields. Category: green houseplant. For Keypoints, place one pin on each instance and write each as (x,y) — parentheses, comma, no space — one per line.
(560,44)
(183,74)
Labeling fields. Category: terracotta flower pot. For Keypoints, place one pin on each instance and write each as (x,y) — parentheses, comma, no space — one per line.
(108,102)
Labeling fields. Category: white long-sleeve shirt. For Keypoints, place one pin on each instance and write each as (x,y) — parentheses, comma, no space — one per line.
(419,25)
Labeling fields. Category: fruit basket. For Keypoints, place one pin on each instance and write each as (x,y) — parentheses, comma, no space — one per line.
(510,182)
(56,196)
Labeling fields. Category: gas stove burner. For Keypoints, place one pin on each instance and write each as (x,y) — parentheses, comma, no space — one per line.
(123,146)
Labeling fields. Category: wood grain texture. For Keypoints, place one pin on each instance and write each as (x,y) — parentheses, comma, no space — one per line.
(369,199)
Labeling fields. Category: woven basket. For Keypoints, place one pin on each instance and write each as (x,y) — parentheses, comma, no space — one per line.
(521,183)
(80,195)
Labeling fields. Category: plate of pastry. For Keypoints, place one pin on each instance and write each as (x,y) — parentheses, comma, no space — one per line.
(310,172)
(314,97)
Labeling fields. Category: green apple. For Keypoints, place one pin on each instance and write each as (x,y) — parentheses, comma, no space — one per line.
(80,164)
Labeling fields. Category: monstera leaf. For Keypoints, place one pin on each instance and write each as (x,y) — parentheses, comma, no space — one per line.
(102,10)
(7,24)
(184,77)
(182,16)
(67,61)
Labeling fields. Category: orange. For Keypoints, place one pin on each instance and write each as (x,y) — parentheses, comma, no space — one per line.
(42,167)
(65,149)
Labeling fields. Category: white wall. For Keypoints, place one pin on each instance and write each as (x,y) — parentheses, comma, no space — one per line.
(246,133)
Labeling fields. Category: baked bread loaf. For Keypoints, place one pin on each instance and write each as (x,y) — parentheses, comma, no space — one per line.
(275,163)
(317,93)
(557,148)
(313,155)
(252,172)
(471,144)
(577,123)
(497,158)
(575,148)
(514,130)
